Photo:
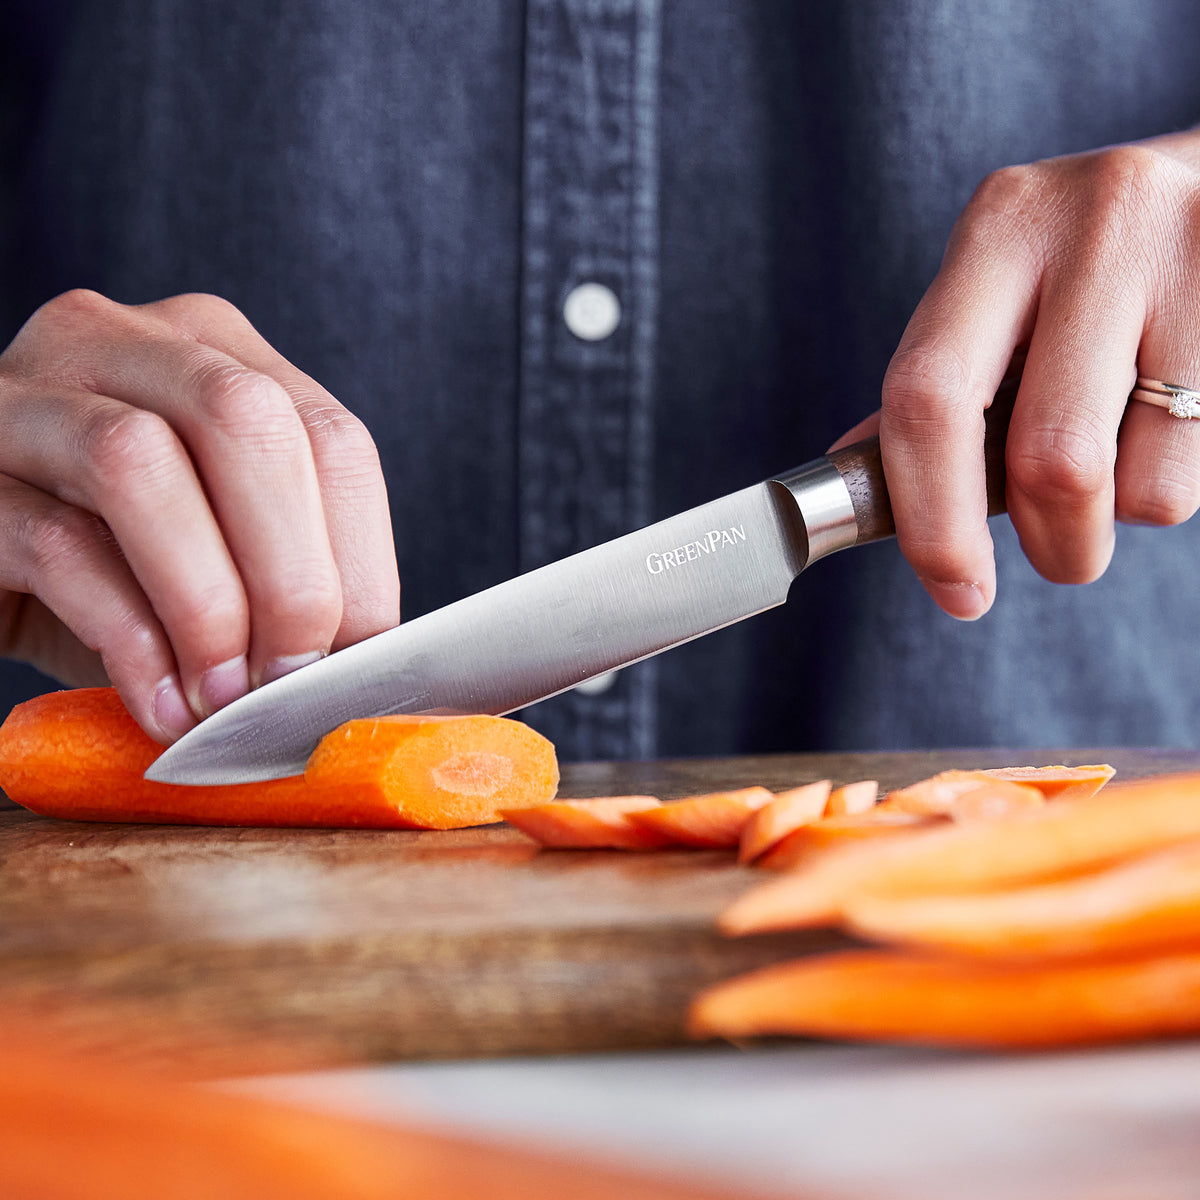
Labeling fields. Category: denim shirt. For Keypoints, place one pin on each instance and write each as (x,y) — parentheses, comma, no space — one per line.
(404,199)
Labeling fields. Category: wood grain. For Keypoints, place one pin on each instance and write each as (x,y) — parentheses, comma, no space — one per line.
(222,951)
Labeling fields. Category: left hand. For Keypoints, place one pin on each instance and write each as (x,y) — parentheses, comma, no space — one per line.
(1092,263)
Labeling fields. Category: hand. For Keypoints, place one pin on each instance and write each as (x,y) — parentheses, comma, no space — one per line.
(182,511)
(1092,263)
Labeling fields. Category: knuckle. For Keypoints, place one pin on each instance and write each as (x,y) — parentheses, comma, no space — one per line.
(310,602)
(1169,498)
(56,536)
(341,443)
(922,383)
(238,401)
(1060,467)
(124,446)
(1007,193)
(198,310)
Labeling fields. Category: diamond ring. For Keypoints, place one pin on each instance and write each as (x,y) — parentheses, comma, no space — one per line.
(1179,401)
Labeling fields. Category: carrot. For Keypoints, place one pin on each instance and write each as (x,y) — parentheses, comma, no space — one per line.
(435,772)
(1061,839)
(940,793)
(74,1128)
(830,833)
(714,820)
(785,812)
(885,996)
(599,823)
(1149,902)
(78,755)
(852,798)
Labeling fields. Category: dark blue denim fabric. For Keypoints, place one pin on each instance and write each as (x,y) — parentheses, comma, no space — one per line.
(400,195)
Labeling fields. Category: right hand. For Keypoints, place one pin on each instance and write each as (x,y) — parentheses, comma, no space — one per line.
(183,513)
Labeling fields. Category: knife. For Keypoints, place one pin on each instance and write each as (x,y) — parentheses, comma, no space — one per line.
(553,628)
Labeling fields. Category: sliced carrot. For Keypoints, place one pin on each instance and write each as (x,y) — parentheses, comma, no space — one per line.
(940,793)
(78,755)
(852,798)
(880,995)
(1046,843)
(799,846)
(994,800)
(714,820)
(436,772)
(599,823)
(1141,904)
(785,812)
(1058,782)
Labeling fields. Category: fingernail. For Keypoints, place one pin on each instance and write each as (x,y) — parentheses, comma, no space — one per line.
(224,683)
(965,601)
(285,664)
(171,712)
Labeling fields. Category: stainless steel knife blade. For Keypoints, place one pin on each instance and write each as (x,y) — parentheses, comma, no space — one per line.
(540,633)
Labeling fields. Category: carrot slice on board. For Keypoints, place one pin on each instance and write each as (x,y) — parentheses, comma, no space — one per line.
(881,995)
(711,821)
(1146,903)
(599,823)
(78,755)
(1059,839)
(940,793)
(785,812)
(852,798)
(995,799)
(829,833)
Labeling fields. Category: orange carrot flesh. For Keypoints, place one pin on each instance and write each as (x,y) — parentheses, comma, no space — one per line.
(785,812)
(1061,839)
(78,755)
(436,772)
(994,800)
(73,1128)
(1058,782)
(1150,902)
(852,798)
(829,833)
(940,793)
(712,821)
(599,823)
(880,995)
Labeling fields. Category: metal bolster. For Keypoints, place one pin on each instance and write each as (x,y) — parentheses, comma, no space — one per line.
(825,506)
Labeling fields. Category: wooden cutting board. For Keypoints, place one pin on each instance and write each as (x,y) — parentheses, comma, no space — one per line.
(249,950)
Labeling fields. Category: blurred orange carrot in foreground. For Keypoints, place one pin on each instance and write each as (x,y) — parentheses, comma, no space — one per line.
(73,1129)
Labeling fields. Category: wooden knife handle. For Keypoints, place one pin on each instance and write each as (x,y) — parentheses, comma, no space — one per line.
(861,466)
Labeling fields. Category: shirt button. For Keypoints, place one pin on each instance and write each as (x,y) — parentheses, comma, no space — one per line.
(592,311)
(597,686)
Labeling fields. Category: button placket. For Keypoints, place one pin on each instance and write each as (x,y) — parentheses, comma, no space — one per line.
(589,299)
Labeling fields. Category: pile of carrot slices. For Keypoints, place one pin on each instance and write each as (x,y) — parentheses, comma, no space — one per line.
(1020,907)
(1065,921)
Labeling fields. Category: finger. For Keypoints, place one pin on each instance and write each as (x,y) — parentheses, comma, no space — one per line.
(254,460)
(952,358)
(1157,475)
(67,558)
(352,485)
(126,466)
(1062,440)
